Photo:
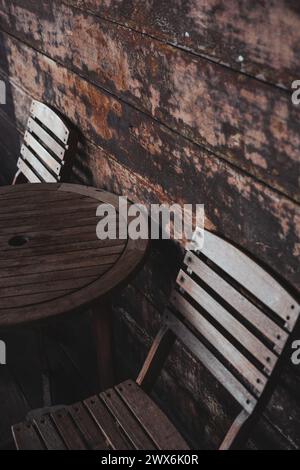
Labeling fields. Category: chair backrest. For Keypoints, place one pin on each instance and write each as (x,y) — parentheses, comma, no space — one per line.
(48,146)
(232,315)
(241,314)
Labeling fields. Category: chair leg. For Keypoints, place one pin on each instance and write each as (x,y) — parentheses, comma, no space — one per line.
(102,332)
(19,178)
(15,178)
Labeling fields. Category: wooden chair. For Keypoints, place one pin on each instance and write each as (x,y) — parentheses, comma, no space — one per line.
(46,157)
(232,315)
(48,147)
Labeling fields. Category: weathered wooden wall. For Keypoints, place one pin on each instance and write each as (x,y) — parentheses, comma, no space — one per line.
(186,101)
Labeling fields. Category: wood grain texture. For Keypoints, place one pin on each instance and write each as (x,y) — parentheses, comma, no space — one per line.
(151,418)
(42,158)
(244,121)
(124,418)
(278,430)
(241,304)
(21,304)
(127,152)
(143,146)
(265,33)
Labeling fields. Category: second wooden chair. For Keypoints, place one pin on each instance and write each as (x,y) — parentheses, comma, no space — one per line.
(48,148)
(235,318)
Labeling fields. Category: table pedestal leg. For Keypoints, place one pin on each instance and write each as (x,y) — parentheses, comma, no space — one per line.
(102,332)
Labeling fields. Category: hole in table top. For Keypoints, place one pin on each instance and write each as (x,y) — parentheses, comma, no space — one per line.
(18,240)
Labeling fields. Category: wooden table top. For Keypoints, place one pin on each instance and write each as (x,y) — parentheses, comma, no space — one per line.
(50,257)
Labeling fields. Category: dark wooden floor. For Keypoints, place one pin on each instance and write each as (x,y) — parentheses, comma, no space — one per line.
(71,356)
(71,363)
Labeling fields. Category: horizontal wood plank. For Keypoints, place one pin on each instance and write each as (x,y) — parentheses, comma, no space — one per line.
(60,248)
(217,183)
(44,287)
(68,263)
(42,211)
(22,301)
(52,276)
(227,32)
(237,124)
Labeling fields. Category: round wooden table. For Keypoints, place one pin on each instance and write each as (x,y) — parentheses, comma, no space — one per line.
(52,262)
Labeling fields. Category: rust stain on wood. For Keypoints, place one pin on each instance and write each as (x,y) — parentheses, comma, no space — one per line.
(248,123)
(173,165)
(251,125)
(259,38)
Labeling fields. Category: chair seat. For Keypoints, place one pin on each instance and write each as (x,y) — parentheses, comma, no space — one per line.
(122,418)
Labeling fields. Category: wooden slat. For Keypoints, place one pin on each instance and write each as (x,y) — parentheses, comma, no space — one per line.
(42,211)
(50,120)
(92,434)
(107,424)
(62,259)
(162,432)
(68,431)
(62,207)
(251,276)
(49,434)
(85,262)
(41,286)
(32,299)
(63,222)
(216,368)
(225,319)
(52,276)
(126,420)
(26,437)
(51,143)
(31,202)
(32,178)
(239,302)
(47,242)
(37,165)
(42,153)
(50,248)
(242,365)
(15,192)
